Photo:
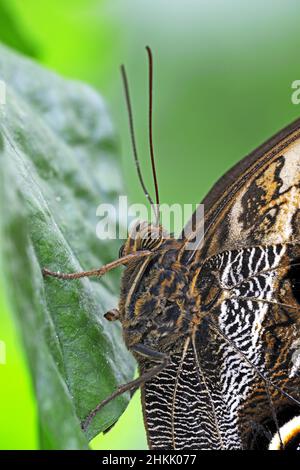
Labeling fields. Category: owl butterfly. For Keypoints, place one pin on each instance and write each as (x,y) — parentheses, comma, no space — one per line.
(216,330)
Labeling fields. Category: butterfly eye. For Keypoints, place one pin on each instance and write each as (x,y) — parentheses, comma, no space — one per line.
(121,251)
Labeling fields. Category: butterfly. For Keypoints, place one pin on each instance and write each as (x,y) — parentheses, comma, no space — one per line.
(216,330)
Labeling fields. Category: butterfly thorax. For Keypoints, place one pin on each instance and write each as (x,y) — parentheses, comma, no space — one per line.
(157,305)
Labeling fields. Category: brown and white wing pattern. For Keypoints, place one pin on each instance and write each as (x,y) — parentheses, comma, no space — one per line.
(256,315)
(184,409)
(258,201)
(239,377)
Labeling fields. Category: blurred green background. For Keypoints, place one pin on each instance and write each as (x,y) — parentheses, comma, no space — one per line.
(223,75)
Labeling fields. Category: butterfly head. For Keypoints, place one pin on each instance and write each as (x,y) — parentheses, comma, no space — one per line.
(144,236)
(152,296)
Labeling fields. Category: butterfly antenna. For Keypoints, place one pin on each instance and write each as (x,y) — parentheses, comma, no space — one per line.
(132,134)
(150,61)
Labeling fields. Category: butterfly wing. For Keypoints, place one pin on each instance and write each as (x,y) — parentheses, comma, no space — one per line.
(239,377)
(190,404)
(256,320)
(183,408)
(257,201)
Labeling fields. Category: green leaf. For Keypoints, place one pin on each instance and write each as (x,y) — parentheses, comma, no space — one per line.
(57,164)
(11,32)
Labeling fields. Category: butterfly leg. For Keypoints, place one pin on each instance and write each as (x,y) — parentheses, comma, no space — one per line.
(100,271)
(133,385)
(132,392)
(149,353)
(139,349)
